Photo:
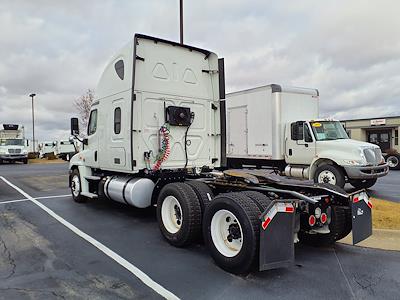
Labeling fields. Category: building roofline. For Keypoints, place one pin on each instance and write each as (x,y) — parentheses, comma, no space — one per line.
(365,119)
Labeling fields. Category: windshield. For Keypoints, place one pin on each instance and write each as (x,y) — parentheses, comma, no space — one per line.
(328,130)
(11,142)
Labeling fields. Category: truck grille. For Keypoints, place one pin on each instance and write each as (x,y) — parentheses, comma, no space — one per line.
(373,156)
(14,151)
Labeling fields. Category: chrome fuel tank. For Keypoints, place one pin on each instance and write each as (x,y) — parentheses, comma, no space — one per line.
(130,190)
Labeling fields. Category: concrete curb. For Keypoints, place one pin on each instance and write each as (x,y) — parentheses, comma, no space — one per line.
(385,239)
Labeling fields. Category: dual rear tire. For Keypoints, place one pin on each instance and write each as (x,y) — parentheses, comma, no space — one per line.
(229,223)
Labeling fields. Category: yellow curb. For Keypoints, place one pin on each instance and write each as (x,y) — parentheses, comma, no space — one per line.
(385,239)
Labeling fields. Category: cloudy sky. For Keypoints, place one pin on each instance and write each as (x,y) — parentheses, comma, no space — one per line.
(349,50)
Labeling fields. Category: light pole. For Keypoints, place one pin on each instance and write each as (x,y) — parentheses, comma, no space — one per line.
(33,123)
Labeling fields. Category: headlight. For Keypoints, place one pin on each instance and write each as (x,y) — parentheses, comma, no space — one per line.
(354,162)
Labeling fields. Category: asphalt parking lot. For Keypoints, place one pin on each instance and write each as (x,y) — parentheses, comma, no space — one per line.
(51,247)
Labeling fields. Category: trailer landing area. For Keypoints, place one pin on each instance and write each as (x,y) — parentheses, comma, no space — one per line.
(51,247)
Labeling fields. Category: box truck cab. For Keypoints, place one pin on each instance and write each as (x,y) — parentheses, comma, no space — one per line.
(13,146)
(280,127)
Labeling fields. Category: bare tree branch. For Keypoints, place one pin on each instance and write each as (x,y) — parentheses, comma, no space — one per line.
(83,104)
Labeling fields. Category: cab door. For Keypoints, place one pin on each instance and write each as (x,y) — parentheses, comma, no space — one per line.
(300,144)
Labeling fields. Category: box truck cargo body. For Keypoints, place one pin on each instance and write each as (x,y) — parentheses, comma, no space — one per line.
(280,127)
(256,120)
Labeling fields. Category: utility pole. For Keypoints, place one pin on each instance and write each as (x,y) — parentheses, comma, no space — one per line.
(181,19)
(33,123)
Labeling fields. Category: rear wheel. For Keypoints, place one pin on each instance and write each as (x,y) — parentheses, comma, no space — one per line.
(231,232)
(393,161)
(330,174)
(363,184)
(339,225)
(76,187)
(179,214)
(25,161)
(203,192)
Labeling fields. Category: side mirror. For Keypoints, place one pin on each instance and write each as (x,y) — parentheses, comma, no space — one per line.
(74,126)
(297,131)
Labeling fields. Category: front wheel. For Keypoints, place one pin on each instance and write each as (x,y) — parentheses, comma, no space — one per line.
(363,184)
(330,174)
(76,187)
(393,161)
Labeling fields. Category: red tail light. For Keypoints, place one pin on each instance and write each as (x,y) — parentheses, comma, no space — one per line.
(324,218)
(311,220)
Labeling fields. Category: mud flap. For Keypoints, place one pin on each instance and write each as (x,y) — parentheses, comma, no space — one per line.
(361,217)
(277,235)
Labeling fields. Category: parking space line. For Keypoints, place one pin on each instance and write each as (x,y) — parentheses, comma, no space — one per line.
(107,251)
(14,201)
(37,198)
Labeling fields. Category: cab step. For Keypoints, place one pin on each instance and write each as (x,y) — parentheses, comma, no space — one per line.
(94,178)
(89,195)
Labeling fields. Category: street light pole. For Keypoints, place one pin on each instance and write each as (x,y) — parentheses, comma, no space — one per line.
(33,123)
(181,20)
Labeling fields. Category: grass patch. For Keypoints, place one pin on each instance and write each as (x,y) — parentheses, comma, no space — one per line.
(45,161)
(385,214)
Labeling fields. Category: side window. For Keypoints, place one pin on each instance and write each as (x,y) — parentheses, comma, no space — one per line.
(92,122)
(307,134)
(119,68)
(117,120)
(297,131)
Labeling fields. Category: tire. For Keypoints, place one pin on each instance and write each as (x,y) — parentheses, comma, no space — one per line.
(25,161)
(203,192)
(363,184)
(76,187)
(393,161)
(179,214)
(236,252)
(330,174)
(259,199)
(338,227)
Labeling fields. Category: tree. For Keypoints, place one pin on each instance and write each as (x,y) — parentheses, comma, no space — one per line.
(83,104)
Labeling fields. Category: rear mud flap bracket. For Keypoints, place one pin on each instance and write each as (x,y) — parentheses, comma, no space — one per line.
(277,235)
(361,217)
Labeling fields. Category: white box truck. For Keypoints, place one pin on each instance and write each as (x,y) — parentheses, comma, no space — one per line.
(13,146)
(156,137)
(278,126)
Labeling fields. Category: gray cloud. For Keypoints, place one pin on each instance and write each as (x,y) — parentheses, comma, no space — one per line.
(349,50)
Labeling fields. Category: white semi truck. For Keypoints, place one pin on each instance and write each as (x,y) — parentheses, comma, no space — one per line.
(13,145)
(278,126)
(46,148)
(156,137)
(65,149)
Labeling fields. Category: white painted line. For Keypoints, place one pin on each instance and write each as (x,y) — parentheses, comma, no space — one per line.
(107,251)
(37,198)
(14,201)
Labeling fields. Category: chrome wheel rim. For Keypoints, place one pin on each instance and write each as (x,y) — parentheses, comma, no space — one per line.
(327,176)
